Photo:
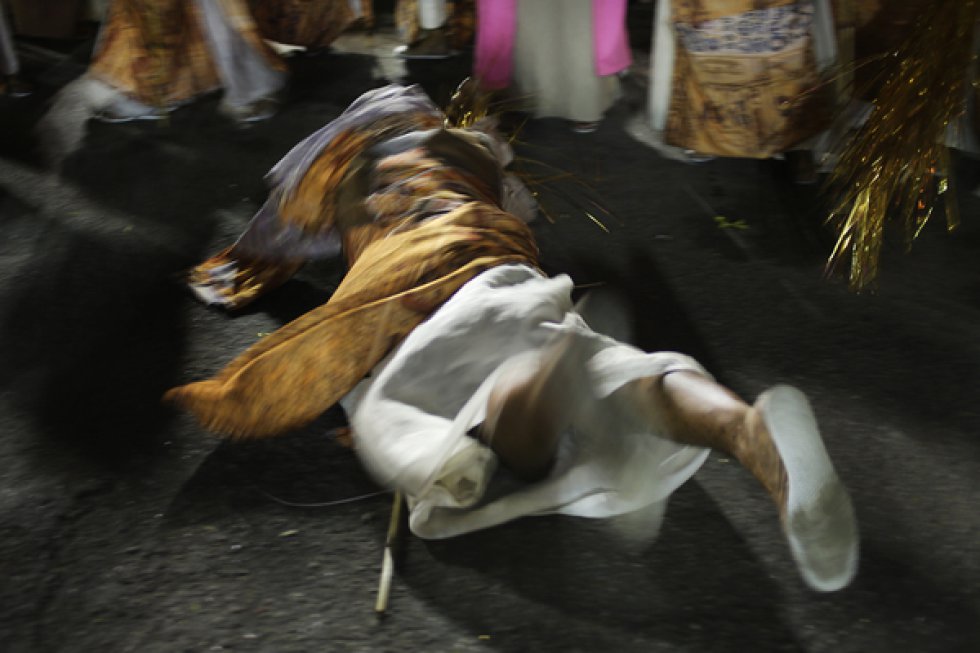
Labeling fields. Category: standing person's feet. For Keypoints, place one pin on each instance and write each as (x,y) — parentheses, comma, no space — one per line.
(585,126)
(261,109)
(125,109)
(432,44)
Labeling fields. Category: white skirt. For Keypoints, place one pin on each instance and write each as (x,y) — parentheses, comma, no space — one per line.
(554,64)
(411,416)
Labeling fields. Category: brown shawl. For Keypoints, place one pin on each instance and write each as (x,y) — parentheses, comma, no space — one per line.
(292,376)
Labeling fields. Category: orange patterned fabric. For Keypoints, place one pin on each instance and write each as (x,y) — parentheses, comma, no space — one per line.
(416,208)
(334,196)
(745,79)
(461,24)
(310,23)
(253,276)
(289,378)
(407,20)
(156,52)
(698,11)
(313,205)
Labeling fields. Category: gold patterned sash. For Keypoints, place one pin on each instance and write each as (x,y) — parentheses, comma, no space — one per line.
(292,376)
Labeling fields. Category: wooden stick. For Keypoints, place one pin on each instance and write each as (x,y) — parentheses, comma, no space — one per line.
(388,562)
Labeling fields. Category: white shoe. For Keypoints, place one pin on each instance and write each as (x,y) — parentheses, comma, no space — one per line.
(125,109)
(261,109)
(585,126)
(433,44)
(818,519)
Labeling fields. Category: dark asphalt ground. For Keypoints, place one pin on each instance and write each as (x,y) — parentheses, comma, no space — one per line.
(125,527)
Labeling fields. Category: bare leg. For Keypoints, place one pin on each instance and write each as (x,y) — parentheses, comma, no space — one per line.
(777,440)
(526,415)
(691,408)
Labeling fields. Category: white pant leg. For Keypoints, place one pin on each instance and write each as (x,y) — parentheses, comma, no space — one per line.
(661,66)
(8,56)
(245,74)
(432,13)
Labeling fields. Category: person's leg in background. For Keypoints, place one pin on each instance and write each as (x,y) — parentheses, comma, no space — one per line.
(430,39)
(248,74)
(150,58)
(556,63)
(10,84)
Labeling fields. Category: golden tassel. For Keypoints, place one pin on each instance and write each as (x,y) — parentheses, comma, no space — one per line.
(897,164)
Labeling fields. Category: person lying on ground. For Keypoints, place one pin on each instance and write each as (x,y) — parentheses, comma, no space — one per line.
(452,353)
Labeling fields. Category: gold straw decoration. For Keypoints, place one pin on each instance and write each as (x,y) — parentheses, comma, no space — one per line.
(897,165)
(468,105)
(471,104)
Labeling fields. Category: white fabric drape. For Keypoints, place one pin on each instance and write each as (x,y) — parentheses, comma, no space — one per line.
(410,418)
(554,63)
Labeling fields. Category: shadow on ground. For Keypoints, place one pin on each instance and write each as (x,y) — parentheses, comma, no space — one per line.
(91,335)
(683,589)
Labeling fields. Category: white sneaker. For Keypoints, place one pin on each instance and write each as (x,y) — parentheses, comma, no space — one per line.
(261,109)
(818,519)
(125,109)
